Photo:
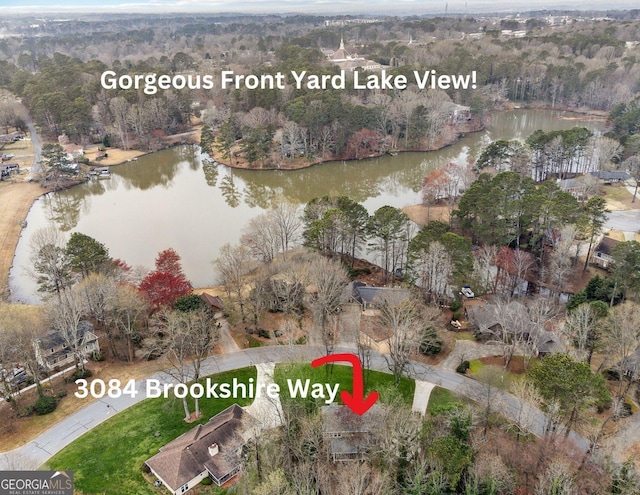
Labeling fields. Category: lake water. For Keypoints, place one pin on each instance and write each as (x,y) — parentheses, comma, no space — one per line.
(173,199)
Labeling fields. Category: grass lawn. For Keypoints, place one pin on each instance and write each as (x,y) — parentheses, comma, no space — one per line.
(439,399)
(108,459)
(335,373)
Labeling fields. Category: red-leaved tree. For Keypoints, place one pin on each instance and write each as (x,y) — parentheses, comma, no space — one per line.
(167,282)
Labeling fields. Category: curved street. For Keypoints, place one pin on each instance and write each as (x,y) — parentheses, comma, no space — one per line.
(38,451)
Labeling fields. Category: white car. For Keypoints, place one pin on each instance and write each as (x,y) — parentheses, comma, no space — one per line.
(467,292)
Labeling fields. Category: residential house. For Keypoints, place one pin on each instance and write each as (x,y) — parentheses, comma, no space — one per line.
(214,303)
(601,255)
(370,297)
(349,435)
(630,365)
(513,323)
(208,450)
(53,351)
(611,176)
(575,186)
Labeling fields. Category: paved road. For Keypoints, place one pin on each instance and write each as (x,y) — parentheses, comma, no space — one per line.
(38,451)
(625,220)
(35,140)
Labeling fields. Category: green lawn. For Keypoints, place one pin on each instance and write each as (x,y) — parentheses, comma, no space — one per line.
(440,399)
(108,459)
(336,373)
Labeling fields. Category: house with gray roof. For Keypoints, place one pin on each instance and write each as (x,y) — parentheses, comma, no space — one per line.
(208,450)
(53,351)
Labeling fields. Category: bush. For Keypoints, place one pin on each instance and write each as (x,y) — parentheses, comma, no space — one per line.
(462,367)
(45,405)
(455,305)
(97,356)
(62,393)
(206,482)
(456,315)
(23,412)
(263,333)
(77,374)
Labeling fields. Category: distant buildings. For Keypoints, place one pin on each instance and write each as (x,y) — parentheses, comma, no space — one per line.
(348,61)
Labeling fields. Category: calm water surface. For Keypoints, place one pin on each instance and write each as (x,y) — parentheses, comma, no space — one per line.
(175,199)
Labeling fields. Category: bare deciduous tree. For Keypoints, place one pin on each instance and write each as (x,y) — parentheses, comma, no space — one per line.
(328,278)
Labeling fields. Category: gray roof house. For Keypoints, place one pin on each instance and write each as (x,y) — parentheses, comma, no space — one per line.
(370,297)
(491,323)
(208,450)
(54,352)
(347,434)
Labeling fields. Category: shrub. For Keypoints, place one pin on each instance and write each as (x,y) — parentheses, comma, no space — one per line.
(23,412)
(206,482)
(45,405)
(77,374)
(263,333)
(463,367)
(97,356)
(455,305)
(62,393)
(456,315)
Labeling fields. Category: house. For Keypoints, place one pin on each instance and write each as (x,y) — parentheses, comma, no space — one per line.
(630,365)
(576,187)
(493,323)
(611,176)
(348,435)
(601,255)
(370,297)
(53,350)
(214,303)
(208,450)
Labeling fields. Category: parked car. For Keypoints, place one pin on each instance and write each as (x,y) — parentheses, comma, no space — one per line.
(467,292)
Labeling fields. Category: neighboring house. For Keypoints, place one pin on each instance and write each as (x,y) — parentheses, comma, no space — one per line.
(576,187)
(214,303)
(374,297)
(208,450)
(611,176)
(494,324)
(601,255)
(630,365)
(348,435)
(52,351)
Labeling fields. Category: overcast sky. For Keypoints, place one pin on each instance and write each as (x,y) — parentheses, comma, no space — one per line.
(329,7)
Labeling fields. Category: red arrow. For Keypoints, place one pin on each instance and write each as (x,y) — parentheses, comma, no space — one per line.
(356,402)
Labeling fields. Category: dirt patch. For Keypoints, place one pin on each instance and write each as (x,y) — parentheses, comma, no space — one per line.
(516,365)
(422,215)
(15,202)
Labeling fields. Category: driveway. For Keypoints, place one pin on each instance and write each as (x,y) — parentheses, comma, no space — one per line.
(625,220)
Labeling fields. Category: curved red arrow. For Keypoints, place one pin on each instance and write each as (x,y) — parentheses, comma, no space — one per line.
(356,401)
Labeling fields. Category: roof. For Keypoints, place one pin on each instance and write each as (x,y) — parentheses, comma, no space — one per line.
(611,175)
(212,301)
(380,295)
(188,455)
(631,364)
(53,338)
(341,419)
(606,245)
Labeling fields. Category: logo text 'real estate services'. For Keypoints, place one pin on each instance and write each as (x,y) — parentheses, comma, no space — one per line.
(36,483)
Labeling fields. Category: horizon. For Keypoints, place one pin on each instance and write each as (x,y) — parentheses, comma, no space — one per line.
(315,7)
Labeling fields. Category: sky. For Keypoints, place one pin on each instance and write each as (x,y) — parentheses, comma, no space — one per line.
(329,7)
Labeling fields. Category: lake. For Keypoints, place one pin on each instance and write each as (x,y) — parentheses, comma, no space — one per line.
(174,198)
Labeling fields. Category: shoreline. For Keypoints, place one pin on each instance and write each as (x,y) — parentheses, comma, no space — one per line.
(16,201)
